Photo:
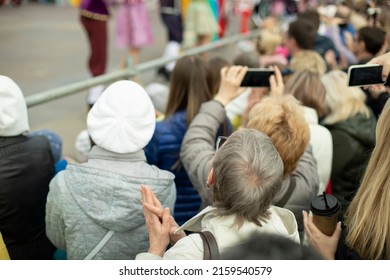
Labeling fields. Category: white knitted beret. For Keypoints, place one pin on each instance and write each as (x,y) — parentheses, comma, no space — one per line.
(123,119)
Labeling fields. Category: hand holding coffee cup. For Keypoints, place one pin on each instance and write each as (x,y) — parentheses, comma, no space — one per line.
(325,209)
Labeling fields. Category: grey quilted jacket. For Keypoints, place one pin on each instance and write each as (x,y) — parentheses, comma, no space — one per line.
(87,200)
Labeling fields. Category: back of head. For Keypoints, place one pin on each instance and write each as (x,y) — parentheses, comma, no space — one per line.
(343,13)
(266,246)
(311,15)
(368,215)
(13,109)
(248,174)
(303,32)
(191,84)
(123,119)
(308,89)
(308,61)
(342,102)
(216,64)
(373,38)
(267,42)
(249,59)
(282,119)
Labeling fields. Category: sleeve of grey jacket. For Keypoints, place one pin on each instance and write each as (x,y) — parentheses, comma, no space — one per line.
(307,171)
(55,226)
(198,146)
(307,183)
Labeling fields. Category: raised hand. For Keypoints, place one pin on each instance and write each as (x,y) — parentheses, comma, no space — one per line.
(383,60)
(276,82)
(231,78)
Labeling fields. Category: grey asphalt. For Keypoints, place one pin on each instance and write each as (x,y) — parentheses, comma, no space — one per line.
(44,46)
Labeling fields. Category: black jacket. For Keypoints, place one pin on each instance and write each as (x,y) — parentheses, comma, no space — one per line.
(353,142)
(26,169)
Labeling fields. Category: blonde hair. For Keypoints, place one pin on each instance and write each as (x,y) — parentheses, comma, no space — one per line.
(343,102)
(282,119)
(267,42)
(308,61)
(368,215)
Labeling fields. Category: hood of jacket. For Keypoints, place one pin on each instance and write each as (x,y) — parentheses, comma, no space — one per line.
(113,200)
(359,127)
(281,221)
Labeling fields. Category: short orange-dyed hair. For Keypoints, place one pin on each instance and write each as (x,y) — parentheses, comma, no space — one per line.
(282,119)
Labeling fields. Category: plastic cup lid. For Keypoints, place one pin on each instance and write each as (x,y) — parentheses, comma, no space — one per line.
(318,205)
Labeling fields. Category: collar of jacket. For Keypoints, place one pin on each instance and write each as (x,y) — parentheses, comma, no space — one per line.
(195,223)
(282,220)
(100,153)
(310,115)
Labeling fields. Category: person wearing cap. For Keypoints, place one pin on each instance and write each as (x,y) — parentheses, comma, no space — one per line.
(27,166)
(94,207)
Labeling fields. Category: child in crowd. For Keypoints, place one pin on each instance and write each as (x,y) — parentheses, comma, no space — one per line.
(133,30)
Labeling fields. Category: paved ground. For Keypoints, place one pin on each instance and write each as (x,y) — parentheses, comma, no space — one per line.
(44,46)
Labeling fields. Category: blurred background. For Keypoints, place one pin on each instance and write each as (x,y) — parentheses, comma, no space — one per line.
(43,46)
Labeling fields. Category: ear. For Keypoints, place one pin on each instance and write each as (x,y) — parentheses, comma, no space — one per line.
(211,178)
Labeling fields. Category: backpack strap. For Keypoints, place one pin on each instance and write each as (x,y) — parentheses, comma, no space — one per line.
(100,245)
(282,202)
(210,246)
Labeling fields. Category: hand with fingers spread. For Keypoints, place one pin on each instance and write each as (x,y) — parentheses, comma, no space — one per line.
(151,204)
(231,78)
(276,82)
(325,245)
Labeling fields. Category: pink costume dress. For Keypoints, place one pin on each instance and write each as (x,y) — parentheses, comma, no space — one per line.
(133,26)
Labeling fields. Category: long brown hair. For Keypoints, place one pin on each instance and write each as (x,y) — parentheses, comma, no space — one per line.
(368,215)
(190,86)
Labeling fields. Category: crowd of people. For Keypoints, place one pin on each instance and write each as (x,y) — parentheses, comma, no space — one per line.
(241,163)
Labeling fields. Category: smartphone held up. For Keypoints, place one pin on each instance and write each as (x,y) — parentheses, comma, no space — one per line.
(257,77)
(366,75)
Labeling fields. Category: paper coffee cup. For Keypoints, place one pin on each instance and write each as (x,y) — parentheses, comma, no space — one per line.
(325,209)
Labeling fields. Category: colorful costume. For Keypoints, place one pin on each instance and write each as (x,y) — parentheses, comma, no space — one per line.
(199,21)
(133,27)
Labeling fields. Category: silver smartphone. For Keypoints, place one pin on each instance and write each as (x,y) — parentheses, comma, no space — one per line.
(257,77)
(365,75)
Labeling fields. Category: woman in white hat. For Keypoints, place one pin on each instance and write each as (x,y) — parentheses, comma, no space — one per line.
(93,209)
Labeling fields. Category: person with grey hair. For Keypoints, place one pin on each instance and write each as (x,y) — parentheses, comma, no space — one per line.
(301,181)
(245,175)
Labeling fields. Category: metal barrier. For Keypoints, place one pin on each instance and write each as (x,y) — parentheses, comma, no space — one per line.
(49,95)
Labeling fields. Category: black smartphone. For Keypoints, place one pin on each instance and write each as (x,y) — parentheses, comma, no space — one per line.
(364,75)
(257,77)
